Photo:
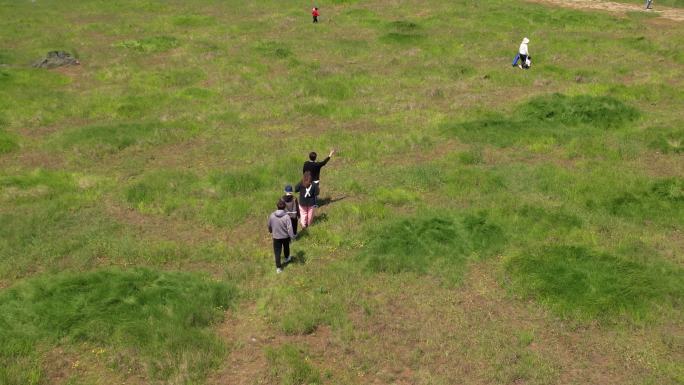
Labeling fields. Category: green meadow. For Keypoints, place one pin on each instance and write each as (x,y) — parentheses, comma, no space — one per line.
(480,224)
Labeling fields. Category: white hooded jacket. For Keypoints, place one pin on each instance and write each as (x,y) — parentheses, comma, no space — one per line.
(523,47)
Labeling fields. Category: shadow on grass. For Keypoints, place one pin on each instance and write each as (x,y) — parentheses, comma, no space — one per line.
(328,200)
(299,258)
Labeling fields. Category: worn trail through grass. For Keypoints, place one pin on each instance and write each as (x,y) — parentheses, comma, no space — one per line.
(610,6)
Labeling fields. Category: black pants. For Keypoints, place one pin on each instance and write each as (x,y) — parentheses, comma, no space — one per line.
(294,225)
(278,245)
(318,192)
(523,60)
(315,19)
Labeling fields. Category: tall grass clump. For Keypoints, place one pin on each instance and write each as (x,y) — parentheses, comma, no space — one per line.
(300,307)
(108,139)
(667,140)
(158,319)
(600,111)
(274,49)
(193,20)
(8,142)
(433,244)
(661,200)
(402,32)
(581,283)
(36,185)
(162,191)
(222,198)
(290,366)
(152,44)
(557,116)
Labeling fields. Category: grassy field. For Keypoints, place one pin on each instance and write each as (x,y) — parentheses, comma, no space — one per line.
(482,225)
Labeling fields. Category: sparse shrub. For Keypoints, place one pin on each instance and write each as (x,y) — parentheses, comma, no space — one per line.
(578,282)
(291,366)
(157,319)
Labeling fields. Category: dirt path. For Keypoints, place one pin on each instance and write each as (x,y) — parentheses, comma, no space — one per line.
(638,6)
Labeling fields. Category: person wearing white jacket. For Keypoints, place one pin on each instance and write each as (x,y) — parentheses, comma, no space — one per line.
(523,52)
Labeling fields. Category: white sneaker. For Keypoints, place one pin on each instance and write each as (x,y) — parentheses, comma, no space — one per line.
(288,259)
(520,66)
(279,270)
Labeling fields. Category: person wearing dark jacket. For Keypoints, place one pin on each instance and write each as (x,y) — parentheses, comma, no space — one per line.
(307,199)
(280,227)
(315,168)
(291,207)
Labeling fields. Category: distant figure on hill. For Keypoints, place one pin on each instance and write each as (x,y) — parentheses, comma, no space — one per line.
(291,207)
(524,54)
(280,227)
(307,199)
(315,14)
(315,167)
(649,4)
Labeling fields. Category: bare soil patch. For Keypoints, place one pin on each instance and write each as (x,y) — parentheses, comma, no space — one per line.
(609,6)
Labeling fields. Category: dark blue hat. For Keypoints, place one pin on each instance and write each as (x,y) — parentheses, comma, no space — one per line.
(288,189)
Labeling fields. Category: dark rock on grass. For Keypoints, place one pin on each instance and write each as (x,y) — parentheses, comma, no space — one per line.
(56,59)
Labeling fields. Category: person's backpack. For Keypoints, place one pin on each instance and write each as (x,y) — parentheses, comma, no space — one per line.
(291,208)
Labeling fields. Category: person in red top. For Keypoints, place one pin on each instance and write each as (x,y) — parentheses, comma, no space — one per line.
(315,14)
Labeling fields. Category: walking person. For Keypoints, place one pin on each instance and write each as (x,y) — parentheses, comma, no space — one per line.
(307,199)
(315,14)
(524,53)
(280,227)
(315,168)
(649,4)
(291,207)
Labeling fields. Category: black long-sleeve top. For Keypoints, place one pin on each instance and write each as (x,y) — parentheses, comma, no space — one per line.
(314,168)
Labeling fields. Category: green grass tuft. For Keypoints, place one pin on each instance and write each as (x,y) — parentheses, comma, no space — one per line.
(552,118)
(290,365)
(8,142)
(274,49)
(601,111)
(432,244)
(193,21)
(650,201)
(580,283)
(665,140)
(158,319)
(97,140)
(151,44)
